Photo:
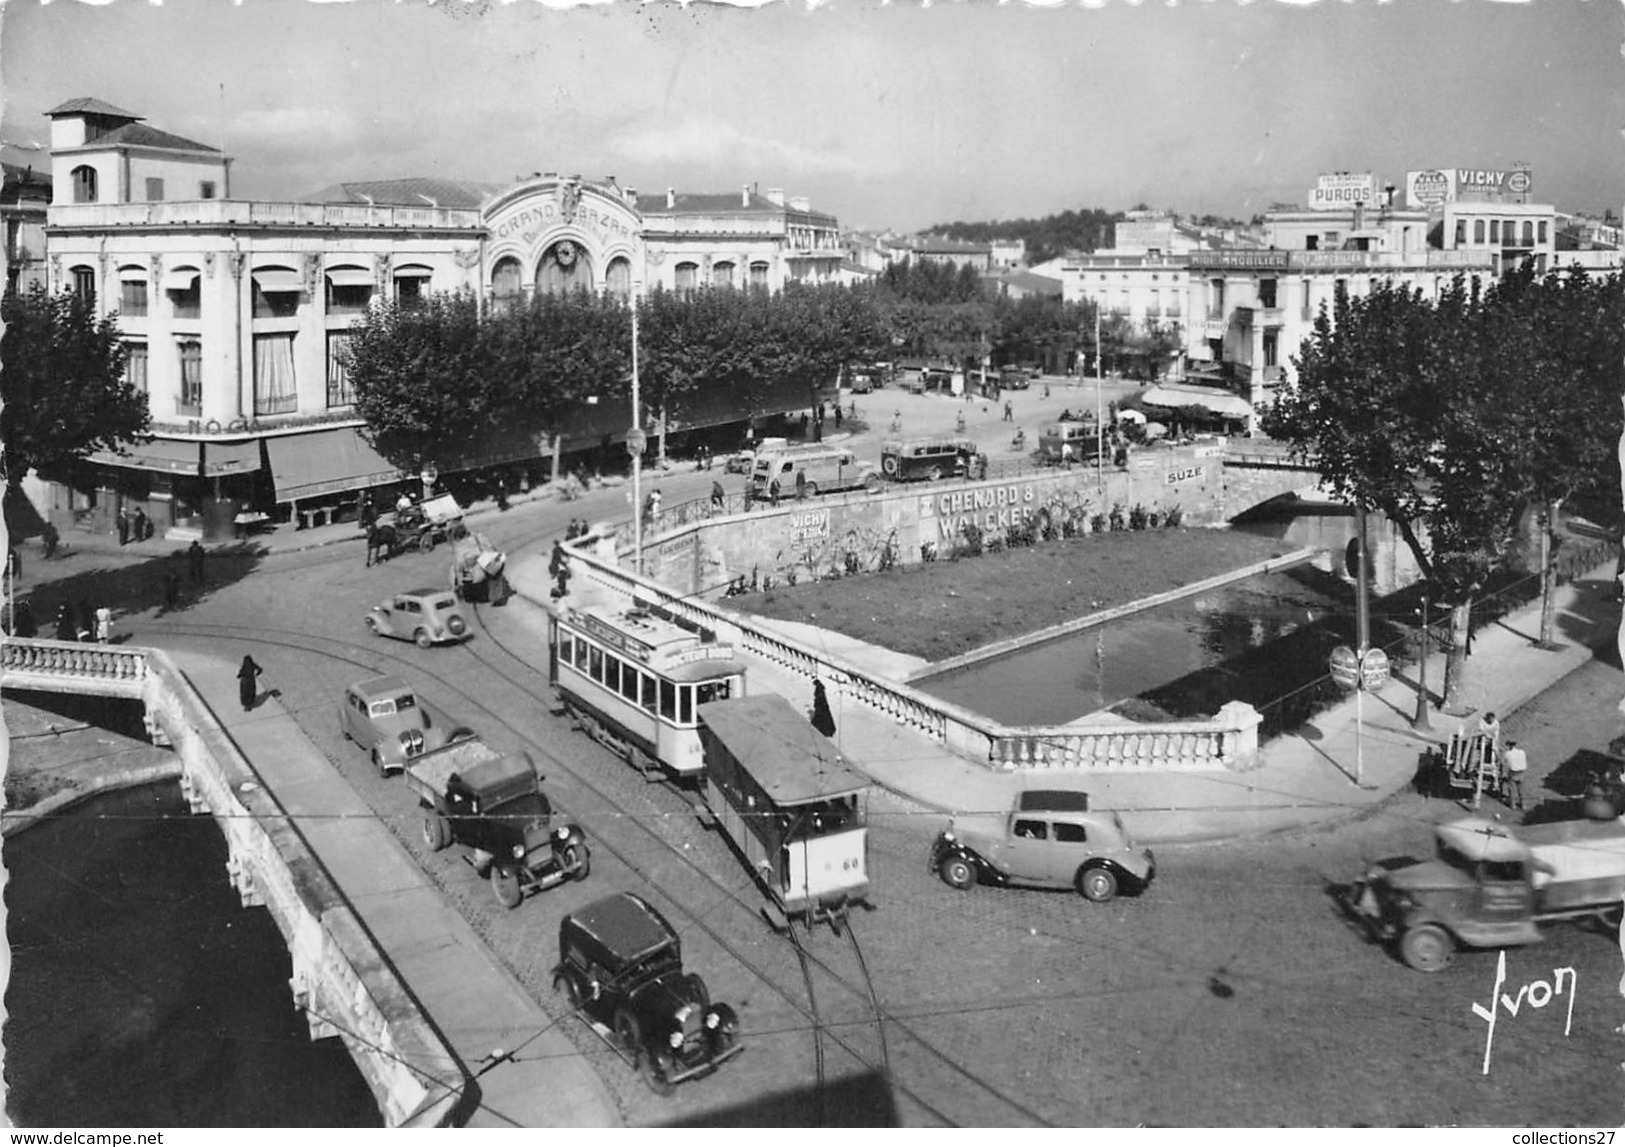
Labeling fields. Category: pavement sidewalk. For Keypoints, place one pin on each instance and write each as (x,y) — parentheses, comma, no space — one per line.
(474,1001)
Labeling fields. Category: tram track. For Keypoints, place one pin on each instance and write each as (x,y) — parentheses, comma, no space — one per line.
(932,1059)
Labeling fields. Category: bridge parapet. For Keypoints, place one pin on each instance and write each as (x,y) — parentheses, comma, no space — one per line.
(66,666)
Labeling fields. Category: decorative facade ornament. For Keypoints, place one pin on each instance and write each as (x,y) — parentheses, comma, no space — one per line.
(313,272)
(56,281)
(569,195)
(382,274)
(565,253)
(155,269)
(466,257)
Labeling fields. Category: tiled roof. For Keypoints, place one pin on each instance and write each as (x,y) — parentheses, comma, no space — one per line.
(140,135)
(724,203)
(1032,284)
(418,191)
(87,105)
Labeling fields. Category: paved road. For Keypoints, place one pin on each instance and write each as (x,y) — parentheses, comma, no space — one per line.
(1231,994)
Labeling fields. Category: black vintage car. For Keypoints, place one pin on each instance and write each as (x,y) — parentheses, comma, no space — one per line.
(621,968)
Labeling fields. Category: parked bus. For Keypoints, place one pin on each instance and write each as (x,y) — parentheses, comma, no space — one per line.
(906,459)
(809,471)
(790,802)
(1081,436)
(635,680)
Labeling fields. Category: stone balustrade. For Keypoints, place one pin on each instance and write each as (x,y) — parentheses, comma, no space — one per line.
(1228,740)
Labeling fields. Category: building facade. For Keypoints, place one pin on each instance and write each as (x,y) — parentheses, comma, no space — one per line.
(236,314)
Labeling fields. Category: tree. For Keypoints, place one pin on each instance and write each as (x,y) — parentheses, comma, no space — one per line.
(1406,407)
(425,380)
(62,384)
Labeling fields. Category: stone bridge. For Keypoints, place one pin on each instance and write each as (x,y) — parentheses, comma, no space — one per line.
(341,980)
(1259,471)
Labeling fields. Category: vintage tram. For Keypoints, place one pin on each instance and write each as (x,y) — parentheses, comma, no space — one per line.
(635,680)
(790,802)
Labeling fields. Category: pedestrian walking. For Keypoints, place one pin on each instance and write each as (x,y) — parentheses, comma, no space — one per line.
(140,525)
(1517,764)
(248,688)
(959,422)
(1066,455)
(49,539)
(801,485)
(896,421)
(104,625)
(804,420)
(122,520)
(718,497)
(837,416)
(1009,411)
(559,567)
(24,620)
(64,623)
(195,558)
(822,719)
(172,590)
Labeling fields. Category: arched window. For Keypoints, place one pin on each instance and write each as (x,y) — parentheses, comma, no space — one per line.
(758,275)
(1478,231)
(618,279)
(349,290)
(412,284)
(1528,233)
(185,295)
(84,283)
(507,279)
(132,292)
(564,269)
(686,277)
(276,292)
(722,274)
(84,184)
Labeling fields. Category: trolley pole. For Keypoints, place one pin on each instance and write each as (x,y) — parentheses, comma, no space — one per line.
(1421,721)
(1100,408)
(1363,626)
(634,447)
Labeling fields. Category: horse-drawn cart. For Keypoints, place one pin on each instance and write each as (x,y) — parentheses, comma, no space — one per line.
(417,528)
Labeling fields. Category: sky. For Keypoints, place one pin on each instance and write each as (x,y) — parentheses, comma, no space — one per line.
(897,115)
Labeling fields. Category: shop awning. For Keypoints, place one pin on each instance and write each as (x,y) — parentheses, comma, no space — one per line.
(349,276)
(180,279)
(325,462)
(278,279)
(222,458)
(166,455)
(1219,401)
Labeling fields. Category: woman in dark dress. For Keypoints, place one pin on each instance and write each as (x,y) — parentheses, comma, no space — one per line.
(248,683)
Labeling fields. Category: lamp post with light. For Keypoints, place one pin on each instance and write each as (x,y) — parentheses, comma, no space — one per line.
(636,440)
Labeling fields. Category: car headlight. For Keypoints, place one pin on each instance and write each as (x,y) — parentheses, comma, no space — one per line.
(712,1020)
(562,833)
(675,1039)
(948,834)
(519,852)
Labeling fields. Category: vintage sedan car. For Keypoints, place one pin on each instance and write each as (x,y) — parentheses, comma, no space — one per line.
(621,968)
(384,716)
(426,616)
(1049,839)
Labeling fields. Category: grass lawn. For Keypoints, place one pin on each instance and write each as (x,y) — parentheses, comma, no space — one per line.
(947,607)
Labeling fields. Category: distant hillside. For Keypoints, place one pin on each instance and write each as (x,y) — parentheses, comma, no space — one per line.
(1047,237)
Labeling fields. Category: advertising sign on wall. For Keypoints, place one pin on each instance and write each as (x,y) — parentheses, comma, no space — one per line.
(1430,188)
(1449,184)
(1341,190)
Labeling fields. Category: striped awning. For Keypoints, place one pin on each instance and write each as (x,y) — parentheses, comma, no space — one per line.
(325,462)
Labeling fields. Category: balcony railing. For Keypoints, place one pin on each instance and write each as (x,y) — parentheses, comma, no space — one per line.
(243,213)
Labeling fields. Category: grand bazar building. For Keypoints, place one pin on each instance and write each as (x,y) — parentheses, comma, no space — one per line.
(235,312)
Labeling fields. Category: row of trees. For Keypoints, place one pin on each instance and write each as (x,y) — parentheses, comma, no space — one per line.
(1460,417)
(435,378)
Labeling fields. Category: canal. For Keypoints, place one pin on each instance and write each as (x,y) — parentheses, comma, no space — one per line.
(142,993)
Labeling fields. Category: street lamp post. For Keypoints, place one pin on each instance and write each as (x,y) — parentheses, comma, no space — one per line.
(1100,409)
(634,447)
(1421,721)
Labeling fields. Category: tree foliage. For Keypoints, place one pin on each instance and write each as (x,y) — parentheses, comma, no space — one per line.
(62,382)
(1047,237)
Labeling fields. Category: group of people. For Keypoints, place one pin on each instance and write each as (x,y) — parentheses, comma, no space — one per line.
(133,526)
(78,623)
(577,528)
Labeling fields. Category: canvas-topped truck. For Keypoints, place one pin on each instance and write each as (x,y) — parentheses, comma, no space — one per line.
(493,805)
(1492,886)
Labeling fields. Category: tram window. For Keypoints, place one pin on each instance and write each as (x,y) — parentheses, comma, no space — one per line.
(1032,829)
(612,673)
(595,663)
(581,655)
(648,700)
(685,704)
(1068,833)
(668,700)
(711,691)
(629,683)
(566,647)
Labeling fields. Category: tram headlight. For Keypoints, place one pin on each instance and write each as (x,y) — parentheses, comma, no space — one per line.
(562,833)
(712,1020)
(675,1039)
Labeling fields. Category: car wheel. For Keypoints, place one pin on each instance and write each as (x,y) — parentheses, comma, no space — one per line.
(505,886)
(566,983)
(627,1033)
(1097,884)
(933,474)
(657,1072)
(889,465)
(1428,948)
(372,624)
(576,861)
(436,832)
(957,872)
(461,733)
(421,636)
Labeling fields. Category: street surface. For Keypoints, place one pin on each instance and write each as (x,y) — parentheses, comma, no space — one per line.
(1233,992)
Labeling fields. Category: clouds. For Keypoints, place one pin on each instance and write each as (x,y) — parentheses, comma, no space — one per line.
(699,138)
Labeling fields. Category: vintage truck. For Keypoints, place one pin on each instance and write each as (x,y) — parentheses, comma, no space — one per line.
(1049,839)
(494,805)
(1492,886)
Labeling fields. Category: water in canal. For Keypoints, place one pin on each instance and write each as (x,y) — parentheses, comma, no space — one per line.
(142,993)
(1255,640)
